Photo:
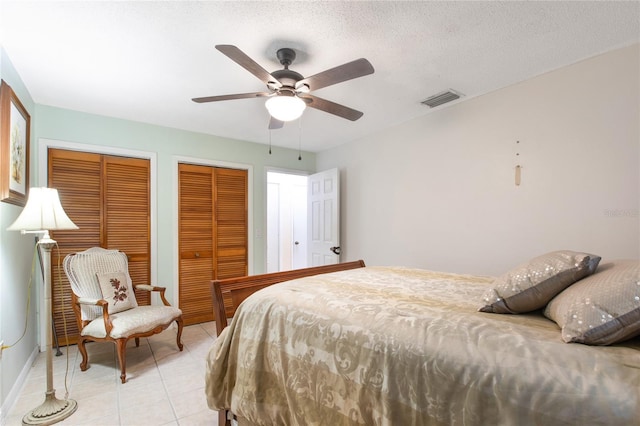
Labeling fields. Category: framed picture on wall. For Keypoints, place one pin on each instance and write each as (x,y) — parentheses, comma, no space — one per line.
(15,124)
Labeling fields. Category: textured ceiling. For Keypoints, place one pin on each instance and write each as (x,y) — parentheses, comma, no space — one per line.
(144,61)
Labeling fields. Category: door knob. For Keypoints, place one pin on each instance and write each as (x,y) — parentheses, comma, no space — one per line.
(297,242)
(336,250)
(197,254)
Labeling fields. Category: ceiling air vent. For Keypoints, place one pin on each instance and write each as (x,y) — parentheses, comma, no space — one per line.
(442,98)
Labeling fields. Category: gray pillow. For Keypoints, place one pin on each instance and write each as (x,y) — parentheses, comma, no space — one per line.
(532,285)
(601,309)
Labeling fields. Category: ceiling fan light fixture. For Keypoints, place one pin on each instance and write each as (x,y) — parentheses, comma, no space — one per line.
(285,108)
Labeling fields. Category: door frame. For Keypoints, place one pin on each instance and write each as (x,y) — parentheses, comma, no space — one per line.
(293,217)
(282,170)
(177,159)
(43,178)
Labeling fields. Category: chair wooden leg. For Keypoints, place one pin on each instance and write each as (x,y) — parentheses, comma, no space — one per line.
(121,348)
(83,351)
(179,338)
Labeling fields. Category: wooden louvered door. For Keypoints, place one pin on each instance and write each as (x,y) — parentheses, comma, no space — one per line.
(195,214)
(108,198)
(212,210)
(126,209)
(231,227)
(77,177)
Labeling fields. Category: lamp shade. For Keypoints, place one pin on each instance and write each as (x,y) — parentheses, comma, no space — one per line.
(42,212)
(285,108)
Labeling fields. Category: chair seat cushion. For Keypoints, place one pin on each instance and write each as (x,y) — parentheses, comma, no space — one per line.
(136,320)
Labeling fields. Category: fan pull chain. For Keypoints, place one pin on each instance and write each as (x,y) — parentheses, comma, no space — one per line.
(269,141)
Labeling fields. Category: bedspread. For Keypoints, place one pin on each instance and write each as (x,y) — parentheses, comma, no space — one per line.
(399,346)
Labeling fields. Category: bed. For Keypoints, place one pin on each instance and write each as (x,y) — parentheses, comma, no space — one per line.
(403,346)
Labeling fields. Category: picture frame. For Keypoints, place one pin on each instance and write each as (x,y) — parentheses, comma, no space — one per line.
(15,133)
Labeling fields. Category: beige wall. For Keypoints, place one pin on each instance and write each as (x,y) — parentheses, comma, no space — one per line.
(438,191)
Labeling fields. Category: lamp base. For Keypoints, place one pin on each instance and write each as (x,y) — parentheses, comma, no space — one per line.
(52,410)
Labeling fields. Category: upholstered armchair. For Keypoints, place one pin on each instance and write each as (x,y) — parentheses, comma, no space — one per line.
(105,306)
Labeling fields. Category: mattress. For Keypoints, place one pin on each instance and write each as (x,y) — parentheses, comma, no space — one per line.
(401,346)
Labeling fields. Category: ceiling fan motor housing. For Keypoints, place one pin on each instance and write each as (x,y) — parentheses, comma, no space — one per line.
(287,77)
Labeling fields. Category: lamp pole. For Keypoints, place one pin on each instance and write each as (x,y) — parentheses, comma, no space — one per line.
(52,410)
(42,213)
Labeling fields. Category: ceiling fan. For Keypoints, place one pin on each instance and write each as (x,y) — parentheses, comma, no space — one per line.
(288,91)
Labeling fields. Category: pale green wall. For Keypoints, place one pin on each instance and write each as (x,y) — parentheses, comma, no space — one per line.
(105,133)
(76,127)
(16,254)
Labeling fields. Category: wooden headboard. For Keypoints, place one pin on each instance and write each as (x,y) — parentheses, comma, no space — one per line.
(229,293)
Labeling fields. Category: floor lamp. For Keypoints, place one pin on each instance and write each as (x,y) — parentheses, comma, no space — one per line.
(43,213)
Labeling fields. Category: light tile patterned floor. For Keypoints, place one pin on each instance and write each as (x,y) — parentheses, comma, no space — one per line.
(164,386)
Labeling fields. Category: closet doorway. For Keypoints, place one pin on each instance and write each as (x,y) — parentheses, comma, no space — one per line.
(286,221)
(109,198)
(213,234)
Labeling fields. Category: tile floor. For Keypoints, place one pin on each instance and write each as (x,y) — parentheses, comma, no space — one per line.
(164,386)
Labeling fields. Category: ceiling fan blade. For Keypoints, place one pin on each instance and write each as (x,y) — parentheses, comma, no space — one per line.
(231,97)
(358,68)
(274,124)
(332,107)
(239,57)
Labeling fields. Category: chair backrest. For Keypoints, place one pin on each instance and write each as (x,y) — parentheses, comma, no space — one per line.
(81,269)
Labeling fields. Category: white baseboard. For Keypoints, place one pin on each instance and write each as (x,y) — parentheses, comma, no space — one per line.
(12,397)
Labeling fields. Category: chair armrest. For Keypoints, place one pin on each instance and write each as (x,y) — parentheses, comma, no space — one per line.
(108,325)
(147,287)
(87,301)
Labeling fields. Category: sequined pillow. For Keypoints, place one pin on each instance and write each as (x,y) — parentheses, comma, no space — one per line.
(117,290)
(532,285)
(601,309)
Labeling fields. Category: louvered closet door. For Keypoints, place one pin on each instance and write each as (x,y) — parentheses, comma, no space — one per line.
(231,226)
(195,211)
(77,177)
(213,234)
(108,198)
(127,216)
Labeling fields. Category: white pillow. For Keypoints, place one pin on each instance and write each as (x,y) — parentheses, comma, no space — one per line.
(117,290)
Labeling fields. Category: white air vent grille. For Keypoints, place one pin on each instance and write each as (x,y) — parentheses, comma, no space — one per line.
(442,98)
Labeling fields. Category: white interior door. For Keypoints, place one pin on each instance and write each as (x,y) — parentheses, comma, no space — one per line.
(286,221)
(299,219)
(324,218)
(273,227)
